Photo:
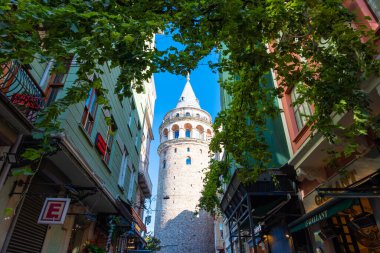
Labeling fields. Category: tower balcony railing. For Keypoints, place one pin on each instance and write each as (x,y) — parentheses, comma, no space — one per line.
(21,90)
(180,117)
(144,179)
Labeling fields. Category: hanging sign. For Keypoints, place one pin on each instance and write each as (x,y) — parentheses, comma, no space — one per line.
(54,211)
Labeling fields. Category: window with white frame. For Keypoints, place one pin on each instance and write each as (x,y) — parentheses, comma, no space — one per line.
(89,113)
(131,183)
(301,111)
(123,168)
(109,142)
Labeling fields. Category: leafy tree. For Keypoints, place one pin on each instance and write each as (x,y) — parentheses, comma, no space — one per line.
(153,243)
(316,45)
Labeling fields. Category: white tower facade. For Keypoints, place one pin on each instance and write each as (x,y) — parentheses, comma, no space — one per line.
(185,134)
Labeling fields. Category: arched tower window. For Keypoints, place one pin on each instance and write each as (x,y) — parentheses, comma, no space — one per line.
(187,114)
(200,131)
(188,160)
(166,133)
(175,129)
(177,115)
(164,164)
(188,128)
(208,134)
(198,115)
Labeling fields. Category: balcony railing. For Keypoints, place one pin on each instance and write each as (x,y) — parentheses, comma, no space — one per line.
(19,87)
(172,119)
(144,179)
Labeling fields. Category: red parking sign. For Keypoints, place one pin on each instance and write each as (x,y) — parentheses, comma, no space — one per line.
(54,211)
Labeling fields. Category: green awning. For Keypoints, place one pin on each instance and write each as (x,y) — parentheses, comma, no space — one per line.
(321,213)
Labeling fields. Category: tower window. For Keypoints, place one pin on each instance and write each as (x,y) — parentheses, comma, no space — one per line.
(176,134)
(177,115)
(188,149)
(188,160)
(188,132)
(164,164)
(201,151)
(175,150)
(187,114)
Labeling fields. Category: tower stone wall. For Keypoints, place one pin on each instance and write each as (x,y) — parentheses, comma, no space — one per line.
(185,134)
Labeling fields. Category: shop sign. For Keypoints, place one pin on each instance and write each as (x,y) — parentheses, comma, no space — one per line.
(54,211)
(316,218)
(100,144)
(327,213)
(356,171)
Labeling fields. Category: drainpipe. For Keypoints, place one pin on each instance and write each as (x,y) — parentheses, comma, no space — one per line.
(46,73)
(7,166)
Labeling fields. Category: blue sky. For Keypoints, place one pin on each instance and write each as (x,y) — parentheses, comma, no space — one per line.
(169,88)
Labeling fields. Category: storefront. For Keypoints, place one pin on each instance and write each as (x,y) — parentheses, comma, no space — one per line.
(343,215)
(257,214)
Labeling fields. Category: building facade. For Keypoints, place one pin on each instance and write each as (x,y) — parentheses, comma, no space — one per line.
(331,208)
(255,216)
(185,134)
(340,201)
(98,166)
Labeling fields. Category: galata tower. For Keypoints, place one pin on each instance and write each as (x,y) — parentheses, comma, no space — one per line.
(185,134)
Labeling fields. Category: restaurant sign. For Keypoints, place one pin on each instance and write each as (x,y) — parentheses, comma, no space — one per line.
(322,215)
(356,171)
(316,218)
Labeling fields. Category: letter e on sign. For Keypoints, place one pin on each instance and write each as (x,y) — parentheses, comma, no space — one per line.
(54,211)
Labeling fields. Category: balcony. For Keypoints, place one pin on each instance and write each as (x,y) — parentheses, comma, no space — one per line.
(19,88)
(144,179)
(184,117)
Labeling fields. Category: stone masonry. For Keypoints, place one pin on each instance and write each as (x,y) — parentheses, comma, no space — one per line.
(185,134)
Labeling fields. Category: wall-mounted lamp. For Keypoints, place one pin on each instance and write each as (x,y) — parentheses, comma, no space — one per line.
(287,235)
(9,157)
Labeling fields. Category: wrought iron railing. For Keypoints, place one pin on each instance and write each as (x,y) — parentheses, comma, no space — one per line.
(17,85)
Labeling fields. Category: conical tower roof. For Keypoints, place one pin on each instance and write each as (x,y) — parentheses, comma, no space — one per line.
(188,98)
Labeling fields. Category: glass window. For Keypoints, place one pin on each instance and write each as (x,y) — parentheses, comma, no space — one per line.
(375,6)
(123,168)
(131,182)
(188,133)
(300,110)
(109,141)
(90,110)
(187,114)
(188,160)
(188,149)
(177,115)
(176,134)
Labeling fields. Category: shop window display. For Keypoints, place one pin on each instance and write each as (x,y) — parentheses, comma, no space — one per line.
(353,230)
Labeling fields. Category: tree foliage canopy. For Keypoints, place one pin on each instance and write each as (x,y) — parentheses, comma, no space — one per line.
(314,45)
